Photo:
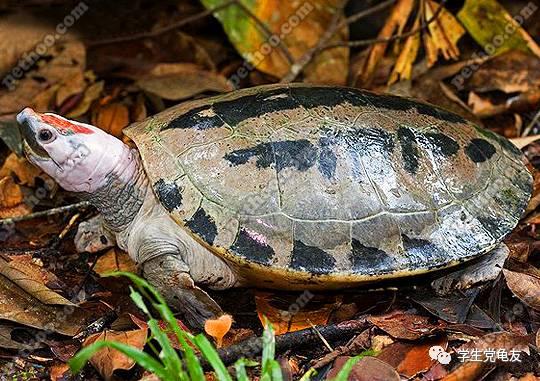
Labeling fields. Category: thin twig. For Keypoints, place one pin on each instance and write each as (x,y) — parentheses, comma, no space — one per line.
(530,126)
(45,213)
(358,43)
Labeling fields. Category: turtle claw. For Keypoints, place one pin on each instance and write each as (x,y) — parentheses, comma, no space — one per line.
(168,275)
(92,236)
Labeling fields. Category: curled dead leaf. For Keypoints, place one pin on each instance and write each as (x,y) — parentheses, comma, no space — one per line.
(525,284)
(107,360)
(112,118)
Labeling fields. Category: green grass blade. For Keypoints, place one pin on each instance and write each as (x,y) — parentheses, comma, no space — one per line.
(209,352)
(275,371)
(170,358)
(192,362)
(143,359)
(240,368)
(138,300)
(343,374)
(269,347)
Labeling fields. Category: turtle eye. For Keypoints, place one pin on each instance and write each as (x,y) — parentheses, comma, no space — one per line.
(45,136)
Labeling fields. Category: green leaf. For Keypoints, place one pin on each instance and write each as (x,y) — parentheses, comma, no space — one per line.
(209,352)
(143,359)
(495,29)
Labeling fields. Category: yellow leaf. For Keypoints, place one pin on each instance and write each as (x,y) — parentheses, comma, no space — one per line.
(396,21)
(404,63)
(445,31)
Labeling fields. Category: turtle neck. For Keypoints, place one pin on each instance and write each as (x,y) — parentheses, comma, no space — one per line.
(122,196)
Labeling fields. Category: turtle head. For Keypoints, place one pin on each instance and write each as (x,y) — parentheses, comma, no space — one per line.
(78,156)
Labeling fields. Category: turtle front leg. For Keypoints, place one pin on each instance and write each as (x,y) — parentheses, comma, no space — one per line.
(92,236)
(170,276)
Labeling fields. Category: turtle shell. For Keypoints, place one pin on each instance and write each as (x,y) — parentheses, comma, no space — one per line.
(311,185)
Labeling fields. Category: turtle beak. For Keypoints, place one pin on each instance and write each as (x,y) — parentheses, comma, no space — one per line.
(28,121)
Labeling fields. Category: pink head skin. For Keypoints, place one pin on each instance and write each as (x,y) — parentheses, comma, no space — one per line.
(78,156)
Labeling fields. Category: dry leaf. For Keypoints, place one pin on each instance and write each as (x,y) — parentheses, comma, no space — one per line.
(289,314)
(91,93)
(473,370)
(397,20)
(405,325)
(218,328)
(107,360)
(32,284)
(411,358)
(525,284)
(18,306)
(11,199)
(366,369)
(444,32)
(403,68)
(524,141)
(311,22)
(115,260)
(66,60)
(181,81)
(25,171)
(112,118)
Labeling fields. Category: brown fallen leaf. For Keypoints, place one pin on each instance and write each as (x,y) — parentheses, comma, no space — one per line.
(511,72)
(411,358)
(32,284)
(107,360)
(25,172)
(65,60)
(524,283)
(11,199)
(58,371)
(181,81)
(91,94)
(114,260)
(289,313)
(524,141)
(405,325)
(366,369)
(18,306)
(7,342)
(473,370)
(111,118)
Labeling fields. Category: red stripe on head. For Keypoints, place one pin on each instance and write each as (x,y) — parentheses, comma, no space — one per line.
(65,125)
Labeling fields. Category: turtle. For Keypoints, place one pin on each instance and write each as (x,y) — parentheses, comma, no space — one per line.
(295,187)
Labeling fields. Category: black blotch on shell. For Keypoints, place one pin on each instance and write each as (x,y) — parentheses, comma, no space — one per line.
(240,109)
(442,143)
(327,158)
(312,259)
(494,226)
(168,194)
(251,249)
(422,253)
(409,149)
(480,150)
(365,259)
(203,225)
(299,154)
(192,119)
